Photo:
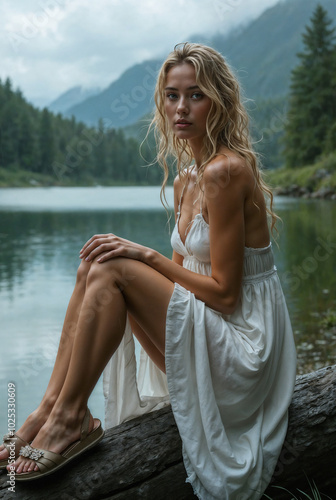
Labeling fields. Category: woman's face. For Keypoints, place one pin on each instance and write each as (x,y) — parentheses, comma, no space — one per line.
(185,104)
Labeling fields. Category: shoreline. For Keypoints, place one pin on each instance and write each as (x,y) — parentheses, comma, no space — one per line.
(296,191)
(316,181)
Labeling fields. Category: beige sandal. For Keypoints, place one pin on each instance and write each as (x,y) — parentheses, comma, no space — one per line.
(48,461)
(8,440)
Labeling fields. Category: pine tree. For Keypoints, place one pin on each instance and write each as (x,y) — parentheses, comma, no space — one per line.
(47,142)
(27,150)
(312,107)
(98,141)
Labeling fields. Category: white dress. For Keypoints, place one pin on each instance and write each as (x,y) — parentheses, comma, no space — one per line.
(230,378)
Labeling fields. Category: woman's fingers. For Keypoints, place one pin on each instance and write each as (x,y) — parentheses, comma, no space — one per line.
(92,240)
(111,246)
(108,255)
(103,247)
(94,243)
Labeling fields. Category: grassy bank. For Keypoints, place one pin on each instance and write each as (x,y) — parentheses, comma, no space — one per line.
(317,178)
(17,178)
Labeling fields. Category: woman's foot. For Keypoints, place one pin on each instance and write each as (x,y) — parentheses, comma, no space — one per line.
(30,428)
(59,431)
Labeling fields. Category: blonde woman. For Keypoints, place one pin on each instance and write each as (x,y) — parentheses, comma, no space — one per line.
(213,319)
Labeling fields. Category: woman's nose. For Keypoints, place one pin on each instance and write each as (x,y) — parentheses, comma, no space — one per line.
(182,106)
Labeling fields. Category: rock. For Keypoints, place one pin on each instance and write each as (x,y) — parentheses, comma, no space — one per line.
(294,190)
(322,173)
(324,192)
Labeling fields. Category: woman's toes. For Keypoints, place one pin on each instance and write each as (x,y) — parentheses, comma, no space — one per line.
(18,467)
(20,463)
(3,453)
(26,466)
(32,467)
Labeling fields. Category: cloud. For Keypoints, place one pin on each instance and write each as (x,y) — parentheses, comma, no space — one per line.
(49,46)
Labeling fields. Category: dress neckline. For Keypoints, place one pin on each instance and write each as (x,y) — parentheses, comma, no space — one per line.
(191,224)
(201,218)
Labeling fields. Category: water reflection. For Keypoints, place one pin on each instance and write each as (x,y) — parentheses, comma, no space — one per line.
(38,264)
(307,262)
(30,240)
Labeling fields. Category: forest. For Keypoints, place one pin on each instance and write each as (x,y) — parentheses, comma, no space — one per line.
(38,147)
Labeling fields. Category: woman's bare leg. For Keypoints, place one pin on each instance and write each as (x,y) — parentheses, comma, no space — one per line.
(36,419)
(156,356)
(113,288)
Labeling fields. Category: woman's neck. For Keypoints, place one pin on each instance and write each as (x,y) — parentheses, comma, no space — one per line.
(196,148)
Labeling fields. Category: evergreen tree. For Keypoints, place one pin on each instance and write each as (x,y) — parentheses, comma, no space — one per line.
(27,151)
(47,144)
(312,107)
(98,141)
(9,132)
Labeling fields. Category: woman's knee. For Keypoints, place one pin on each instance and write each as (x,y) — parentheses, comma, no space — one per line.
(115,273)
(82,272)
(107,272)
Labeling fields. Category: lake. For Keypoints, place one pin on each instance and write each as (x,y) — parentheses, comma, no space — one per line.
(43,229)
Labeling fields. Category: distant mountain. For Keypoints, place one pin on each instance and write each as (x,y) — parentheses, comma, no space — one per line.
(262,53)
(73,96)
(124,101)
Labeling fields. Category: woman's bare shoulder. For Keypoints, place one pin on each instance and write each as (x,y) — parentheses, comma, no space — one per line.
(181,179)
(227,169)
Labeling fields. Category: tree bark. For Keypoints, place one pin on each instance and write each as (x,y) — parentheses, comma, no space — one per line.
(141,459)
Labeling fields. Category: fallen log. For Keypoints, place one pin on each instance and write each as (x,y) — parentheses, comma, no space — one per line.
(141,459)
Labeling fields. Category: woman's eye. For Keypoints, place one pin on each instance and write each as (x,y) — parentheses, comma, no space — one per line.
(197,95)
(171,96)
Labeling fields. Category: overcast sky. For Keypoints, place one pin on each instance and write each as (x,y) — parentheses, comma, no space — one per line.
(49,46)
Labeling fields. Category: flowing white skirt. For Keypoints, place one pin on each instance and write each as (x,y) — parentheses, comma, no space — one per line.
(230,381)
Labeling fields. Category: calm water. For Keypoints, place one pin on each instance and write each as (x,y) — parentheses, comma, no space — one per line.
(42,230)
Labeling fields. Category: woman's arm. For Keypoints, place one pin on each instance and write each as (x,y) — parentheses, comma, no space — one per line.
(225,190)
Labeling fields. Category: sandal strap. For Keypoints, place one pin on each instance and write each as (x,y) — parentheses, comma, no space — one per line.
(49,461)
(31,452)
(36,454)
(85,425)
(45,459)
(8,442)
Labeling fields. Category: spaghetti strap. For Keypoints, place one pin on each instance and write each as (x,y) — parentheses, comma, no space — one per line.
(179,206)
(201,202)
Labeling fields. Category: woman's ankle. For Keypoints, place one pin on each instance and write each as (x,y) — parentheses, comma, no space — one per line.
(70,415)
(37,418)
(47,404)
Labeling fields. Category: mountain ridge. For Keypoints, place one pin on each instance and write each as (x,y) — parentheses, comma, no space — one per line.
(70,97)
(262,55)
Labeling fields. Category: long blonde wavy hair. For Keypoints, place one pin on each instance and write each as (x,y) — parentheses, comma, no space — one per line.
(227,122)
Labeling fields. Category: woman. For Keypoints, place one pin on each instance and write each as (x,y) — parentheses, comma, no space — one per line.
(213,318)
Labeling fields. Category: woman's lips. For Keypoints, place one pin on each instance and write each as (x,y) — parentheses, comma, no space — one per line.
(182,124)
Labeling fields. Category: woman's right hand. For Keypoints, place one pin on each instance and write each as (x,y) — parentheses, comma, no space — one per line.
(108,246)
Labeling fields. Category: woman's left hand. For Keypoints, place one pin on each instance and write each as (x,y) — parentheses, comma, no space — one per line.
(108,246)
